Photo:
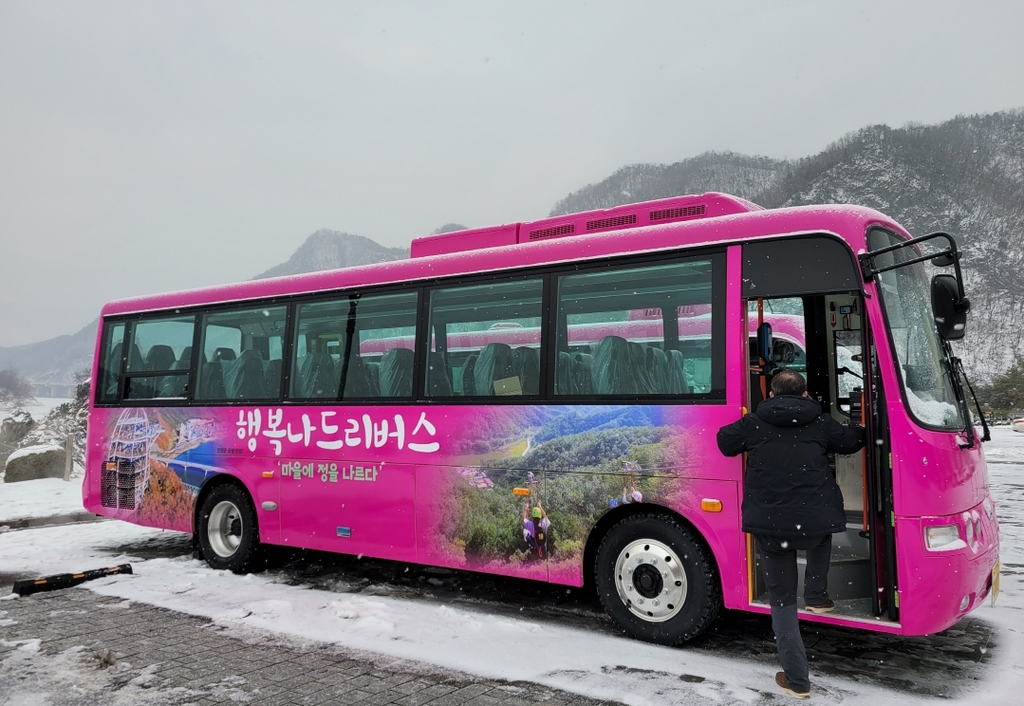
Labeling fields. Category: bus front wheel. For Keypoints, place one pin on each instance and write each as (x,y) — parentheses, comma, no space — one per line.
(227,529)
(656,581)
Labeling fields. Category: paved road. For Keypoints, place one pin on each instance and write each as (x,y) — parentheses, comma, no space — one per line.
(73,647)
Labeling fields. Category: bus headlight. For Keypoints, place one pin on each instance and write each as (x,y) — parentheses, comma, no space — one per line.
(970,530)
(943,537)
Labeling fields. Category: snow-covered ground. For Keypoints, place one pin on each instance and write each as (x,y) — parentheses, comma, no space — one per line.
(39,498)
(497,641)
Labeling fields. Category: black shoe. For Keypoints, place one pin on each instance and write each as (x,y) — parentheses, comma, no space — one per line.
(780,679)
(820,607)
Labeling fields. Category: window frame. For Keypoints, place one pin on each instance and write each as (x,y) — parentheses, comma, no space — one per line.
(716,257)
(425,335)
(548,273)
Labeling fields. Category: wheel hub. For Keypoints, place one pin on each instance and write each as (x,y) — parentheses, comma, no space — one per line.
(225,528)
(647,581)
(650,580)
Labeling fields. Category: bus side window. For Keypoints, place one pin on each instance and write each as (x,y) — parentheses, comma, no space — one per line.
(110,363)
(157,366)
(631,331)
(485,340)
(237,354)
(354,347)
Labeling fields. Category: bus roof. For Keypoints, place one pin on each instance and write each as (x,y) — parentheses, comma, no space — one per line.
(611,232)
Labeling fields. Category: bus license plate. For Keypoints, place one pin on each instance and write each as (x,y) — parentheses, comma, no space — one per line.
(995,582)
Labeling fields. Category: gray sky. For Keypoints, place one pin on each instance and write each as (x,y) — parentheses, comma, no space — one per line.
(148,147)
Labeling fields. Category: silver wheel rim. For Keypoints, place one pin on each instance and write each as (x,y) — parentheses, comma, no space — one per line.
(650,580)
(225,528)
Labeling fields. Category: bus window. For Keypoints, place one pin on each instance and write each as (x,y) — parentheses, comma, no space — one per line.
(159,358)
(110,363)
(625,335)
(340,346)
(485,340)
(240,354)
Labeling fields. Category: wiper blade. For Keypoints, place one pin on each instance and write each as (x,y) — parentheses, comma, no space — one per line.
(958,366)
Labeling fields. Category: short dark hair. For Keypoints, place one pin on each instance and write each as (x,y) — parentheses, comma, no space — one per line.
(789,382)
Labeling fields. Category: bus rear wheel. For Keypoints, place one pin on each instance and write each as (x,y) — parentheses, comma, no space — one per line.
(656,581)
(227,529)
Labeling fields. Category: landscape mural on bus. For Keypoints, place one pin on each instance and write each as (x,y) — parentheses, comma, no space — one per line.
(511,489)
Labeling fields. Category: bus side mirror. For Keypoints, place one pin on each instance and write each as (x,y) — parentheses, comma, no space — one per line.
(948,308)
(764,341)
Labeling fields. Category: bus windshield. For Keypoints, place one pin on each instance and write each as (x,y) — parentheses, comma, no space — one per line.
(923,366)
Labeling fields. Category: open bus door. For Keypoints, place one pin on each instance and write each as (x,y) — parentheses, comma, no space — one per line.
(842,375)
(865,477)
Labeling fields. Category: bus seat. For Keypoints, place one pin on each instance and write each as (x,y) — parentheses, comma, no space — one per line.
(526,361)
(565,380)
(612,368)
(468,377)
(492,365)
(438,384)
(211,382)
(272,376)
(396,373)
(317,377)
(638,369)
(224,354)
(676,377)
(372,369)
(161,357)
(243,377)
(582,367)
(111,372)
(657,369)
(136,362)
(355,384)
(185,360)
(175,385)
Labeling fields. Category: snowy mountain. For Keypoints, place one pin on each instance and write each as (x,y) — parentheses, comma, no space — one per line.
(331,249)
(747,177)
(51,365)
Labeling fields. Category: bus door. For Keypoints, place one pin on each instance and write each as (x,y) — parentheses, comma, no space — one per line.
(831,348)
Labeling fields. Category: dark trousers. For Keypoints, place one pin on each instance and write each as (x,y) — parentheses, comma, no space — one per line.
(777,556)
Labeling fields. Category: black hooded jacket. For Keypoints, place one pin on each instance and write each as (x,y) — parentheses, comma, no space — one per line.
(789,489)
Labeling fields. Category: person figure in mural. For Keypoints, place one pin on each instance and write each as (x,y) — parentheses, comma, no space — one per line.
(791,502)
(633,495)
(536,526)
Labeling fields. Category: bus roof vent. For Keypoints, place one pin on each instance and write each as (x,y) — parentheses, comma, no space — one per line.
(647,213)
(553,231)
(677,213)
(613,222)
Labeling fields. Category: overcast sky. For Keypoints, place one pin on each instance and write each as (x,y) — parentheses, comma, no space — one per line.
(148,147)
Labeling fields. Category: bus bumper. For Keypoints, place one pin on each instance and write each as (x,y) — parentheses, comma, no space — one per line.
(941,583)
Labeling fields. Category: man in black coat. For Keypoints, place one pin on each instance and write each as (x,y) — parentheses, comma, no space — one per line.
(790,502)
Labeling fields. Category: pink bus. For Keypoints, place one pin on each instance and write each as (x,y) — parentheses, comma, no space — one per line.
(540,400)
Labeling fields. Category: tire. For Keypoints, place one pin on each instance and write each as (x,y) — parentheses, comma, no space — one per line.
(656,581)
(228,531)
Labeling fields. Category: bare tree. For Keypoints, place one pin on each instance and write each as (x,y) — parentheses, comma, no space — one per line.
(14,389)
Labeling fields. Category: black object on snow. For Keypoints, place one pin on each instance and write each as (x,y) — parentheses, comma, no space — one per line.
(27,587)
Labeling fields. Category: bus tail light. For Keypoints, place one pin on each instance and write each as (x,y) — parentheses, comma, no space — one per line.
(943,537)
